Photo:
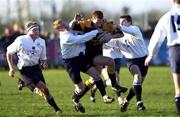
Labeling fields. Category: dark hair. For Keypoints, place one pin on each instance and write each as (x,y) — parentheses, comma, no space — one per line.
(97,14)
(177,1)
(127,17)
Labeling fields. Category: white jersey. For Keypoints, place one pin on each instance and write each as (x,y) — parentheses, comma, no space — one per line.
(132,44)
(112,52)
(72,44)
(29,52)
(168,26)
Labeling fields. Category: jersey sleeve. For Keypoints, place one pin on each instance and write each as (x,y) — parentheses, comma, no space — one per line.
(157,38)
(14,47)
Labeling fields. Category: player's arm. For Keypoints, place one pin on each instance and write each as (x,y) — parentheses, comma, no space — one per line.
(11,49)
(75,20)
(133,30)
(10,64)
(82,38)
(156,41)
(76,25)
(43,57)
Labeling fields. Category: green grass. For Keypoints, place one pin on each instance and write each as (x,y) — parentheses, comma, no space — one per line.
(158,96)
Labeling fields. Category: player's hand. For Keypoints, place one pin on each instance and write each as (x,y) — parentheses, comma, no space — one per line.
(44,64)
(11,72)
(77,17)
(147,60)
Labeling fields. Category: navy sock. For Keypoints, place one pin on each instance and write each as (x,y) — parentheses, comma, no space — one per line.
(131,94)
(113,79)
(138,92)
(100,86)
(53,104)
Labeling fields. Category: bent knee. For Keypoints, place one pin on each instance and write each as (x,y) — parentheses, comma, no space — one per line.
(137,80)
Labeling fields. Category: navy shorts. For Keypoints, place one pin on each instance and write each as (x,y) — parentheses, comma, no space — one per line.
(92,51)
(140,63)
(31,74)
(117,64)
(76,65)
(174,58)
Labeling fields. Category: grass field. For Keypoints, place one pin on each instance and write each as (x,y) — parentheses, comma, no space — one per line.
(158,96)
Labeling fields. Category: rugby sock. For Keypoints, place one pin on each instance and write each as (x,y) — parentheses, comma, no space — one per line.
(131,94)
(112,75)
(138,92)
(100,86)
(53,104)
(83,93)
(113,79)
(177,101)
(77,96)
(118,94)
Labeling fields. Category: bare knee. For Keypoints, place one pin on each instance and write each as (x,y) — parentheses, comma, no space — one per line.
(137,79)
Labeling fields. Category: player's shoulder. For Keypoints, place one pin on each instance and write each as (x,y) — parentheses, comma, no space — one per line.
(21,38)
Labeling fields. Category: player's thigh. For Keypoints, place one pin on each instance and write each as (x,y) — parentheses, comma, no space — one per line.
(134,69)
(103,60)
(93,73)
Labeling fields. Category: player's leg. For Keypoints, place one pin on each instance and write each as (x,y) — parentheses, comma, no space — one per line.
(31,78)
(174,57)
(136,89)
(176,78)
(99,84)
(117,68)
(78,94)
(32,87)
(107,82)
(21,84)
(48,97)
(137,85)
(94,88)
(102,61)
(74,72)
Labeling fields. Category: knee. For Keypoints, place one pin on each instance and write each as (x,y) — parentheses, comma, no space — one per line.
(137,80)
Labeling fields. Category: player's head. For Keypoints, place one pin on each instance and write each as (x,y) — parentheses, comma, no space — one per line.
(97,18)
(59,25)
(33,29)
(177,1)
(125,20)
